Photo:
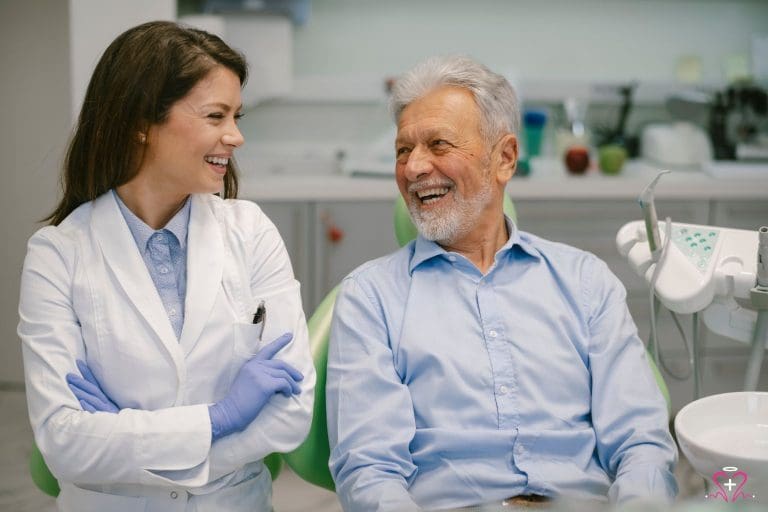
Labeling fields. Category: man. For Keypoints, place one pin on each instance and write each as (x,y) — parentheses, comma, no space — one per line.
(481,364)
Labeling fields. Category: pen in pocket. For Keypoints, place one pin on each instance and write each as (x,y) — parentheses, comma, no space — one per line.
(260,317)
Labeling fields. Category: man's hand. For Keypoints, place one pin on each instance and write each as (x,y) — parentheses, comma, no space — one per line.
(259,379)
(88,391)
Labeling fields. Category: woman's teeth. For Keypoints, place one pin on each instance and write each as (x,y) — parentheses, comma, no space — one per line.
(215,160)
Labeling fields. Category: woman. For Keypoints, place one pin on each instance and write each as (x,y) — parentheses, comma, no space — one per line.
(148,305)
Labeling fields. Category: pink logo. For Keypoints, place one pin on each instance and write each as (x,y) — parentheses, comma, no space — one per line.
(733,480)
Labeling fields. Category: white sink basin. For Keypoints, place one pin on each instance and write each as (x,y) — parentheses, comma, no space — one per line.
(726,437)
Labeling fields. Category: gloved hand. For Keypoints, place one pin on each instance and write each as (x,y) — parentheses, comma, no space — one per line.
(88,391)
(259,379)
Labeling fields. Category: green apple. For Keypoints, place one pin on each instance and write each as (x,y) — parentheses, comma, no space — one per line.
(611,158)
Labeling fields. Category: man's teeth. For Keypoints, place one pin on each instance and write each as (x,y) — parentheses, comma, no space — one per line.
(431,194)
(217,160)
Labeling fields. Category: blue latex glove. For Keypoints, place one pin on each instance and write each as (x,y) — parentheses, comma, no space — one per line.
(259,379)
(88,391)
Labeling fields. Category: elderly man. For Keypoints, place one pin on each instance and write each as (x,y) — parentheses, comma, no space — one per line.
(481,364)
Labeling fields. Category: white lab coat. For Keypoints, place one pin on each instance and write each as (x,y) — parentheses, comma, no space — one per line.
(86,294)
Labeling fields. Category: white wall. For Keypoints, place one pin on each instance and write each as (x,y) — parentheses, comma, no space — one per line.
(94,24)
(49,48)
(35,102)
(540,39)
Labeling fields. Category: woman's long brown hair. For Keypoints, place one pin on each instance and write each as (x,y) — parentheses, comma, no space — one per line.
(138,78)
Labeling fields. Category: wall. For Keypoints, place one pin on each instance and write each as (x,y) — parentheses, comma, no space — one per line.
(49,48)
(35,102)
(549,39)
(348,47)
(46,63)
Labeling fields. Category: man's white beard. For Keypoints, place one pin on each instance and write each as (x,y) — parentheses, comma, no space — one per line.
(447,224)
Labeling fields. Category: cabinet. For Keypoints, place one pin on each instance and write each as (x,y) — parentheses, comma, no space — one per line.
(590,224)
(320,262)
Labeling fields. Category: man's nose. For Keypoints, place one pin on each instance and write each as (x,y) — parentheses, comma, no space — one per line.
(419,163)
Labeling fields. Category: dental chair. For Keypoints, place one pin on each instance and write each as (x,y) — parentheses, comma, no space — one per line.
(310,460)
(46,482)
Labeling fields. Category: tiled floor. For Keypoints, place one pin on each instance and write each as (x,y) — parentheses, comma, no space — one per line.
(291,494)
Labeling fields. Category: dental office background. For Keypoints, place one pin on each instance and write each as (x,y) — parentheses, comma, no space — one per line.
(317,84)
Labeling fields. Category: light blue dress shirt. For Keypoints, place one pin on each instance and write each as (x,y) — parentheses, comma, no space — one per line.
(165,253)
(449,388)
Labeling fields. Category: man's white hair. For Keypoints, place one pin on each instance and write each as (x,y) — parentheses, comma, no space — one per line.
(495,97)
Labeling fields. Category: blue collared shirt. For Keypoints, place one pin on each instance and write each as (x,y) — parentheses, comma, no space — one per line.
(165,253)
(449,388)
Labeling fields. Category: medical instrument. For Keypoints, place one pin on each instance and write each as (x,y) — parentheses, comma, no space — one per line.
(648,207)
(259,379)
(720,272)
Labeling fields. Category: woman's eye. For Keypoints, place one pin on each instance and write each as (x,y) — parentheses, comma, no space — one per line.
(239,116)
(216,115)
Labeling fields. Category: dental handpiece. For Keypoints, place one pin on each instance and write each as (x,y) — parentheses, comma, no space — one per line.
(762,256)
(648,206)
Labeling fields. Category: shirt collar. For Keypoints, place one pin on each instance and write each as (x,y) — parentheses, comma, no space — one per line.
(426,249)
(178,225)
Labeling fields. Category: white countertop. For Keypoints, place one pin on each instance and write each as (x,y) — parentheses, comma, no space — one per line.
(547,180)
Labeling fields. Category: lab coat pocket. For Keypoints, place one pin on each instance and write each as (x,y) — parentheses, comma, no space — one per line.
(76,499)
(247,339)
(252,494)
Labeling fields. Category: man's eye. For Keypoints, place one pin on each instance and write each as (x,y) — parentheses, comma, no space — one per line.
(438,143)
(402,151)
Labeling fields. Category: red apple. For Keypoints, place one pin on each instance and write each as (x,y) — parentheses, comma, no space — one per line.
(577,159)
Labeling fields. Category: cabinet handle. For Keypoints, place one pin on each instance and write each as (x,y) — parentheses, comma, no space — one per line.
(333,232)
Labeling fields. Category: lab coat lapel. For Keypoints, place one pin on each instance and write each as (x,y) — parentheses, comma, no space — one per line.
(124,260)
(205,264)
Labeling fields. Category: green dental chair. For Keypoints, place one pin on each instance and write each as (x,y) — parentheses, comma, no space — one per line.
(310,460)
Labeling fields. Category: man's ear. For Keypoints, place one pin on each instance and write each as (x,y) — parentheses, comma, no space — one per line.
(508,150)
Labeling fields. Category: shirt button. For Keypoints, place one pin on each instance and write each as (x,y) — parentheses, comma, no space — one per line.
(492,333)
(163,270)
(452,258)
(160,238)
(172,311)
(503,390)
(174,495)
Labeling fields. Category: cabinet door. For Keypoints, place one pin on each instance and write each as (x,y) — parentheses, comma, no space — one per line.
(366,230)
(740,214)
(592,226)
(293,221)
